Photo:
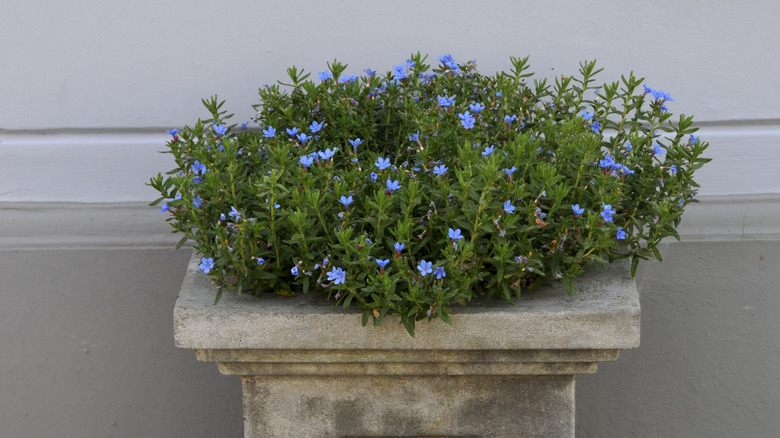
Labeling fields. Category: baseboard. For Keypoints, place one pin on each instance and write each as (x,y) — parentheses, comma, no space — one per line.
(38,225)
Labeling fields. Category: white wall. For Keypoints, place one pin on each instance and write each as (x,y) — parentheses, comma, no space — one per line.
(88,84)
(89,87)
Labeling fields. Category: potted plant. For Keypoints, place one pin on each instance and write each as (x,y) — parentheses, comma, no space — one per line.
(412,192)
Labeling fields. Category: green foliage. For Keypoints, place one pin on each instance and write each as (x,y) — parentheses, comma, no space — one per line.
(273,214)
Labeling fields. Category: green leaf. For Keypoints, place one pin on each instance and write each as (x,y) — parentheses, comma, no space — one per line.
(408,323)
(657,254)
(568,283)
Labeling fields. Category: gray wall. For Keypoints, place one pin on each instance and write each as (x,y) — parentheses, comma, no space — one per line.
(88,276)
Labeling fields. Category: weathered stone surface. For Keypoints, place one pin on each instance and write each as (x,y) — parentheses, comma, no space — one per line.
(483,406)
(603,313)
(309,369)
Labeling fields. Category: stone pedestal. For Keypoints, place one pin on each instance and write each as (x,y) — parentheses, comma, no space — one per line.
(309,369)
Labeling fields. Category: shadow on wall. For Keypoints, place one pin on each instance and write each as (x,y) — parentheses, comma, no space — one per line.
(709,359)
(87,337)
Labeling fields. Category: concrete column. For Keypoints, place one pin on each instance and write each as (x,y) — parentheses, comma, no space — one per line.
(309,369)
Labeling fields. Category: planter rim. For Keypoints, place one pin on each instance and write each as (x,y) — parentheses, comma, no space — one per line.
(603,313)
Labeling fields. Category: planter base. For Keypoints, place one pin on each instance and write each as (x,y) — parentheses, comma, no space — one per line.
(308,369)
(408,393)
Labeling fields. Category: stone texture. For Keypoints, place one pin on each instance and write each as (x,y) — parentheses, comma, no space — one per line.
(308,368)
(603,313)
(349,406)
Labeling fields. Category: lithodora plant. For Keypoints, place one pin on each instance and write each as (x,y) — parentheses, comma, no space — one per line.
(414,190)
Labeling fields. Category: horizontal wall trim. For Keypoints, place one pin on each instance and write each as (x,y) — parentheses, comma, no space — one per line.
(31,225)
(114,165)
(61,225)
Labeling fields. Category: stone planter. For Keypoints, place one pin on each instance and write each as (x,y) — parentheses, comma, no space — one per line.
(309,369)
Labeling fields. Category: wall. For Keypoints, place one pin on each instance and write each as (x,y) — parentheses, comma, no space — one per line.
(88,276)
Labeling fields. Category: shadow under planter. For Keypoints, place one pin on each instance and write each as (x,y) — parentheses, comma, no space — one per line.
(309,369)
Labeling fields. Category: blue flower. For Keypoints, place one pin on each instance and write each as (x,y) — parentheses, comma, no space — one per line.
(173,132)
(197,202)
(373,177)
(693,139)
(476,107)
(454,234)
(439,170)
(509,172)
(382,263)
(607,162)
(508,207)
(222,216)
(399,71)
(199,168)
(220,129)
(348,78)
(488,150)
(306,160)
(425,267)
(269,132)
(595,127)
(303,138)
(577,210)
(415,136)
(327,153)
(294,271)
(315,127)
(510,119)
(620,234)
(658,150)
(499,94)
(325,75)
(608,212)
(660,95)
(346,200)
(260,261)
(398,247)
(164,207)
(629,146)
(673,169)
(292,131)
(448,61)
(206,264)
(370,72)
(439,272)
(586,115)
(337,276)
(382,163)
(392,185)
(467,120)
(355,143)
(446,100)
(234,213)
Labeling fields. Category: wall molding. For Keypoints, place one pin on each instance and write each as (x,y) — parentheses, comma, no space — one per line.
(68,225)
(112,165)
